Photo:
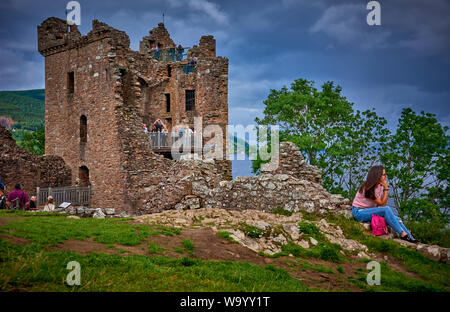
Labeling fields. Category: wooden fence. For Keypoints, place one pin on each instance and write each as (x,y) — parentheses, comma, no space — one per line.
(72,194)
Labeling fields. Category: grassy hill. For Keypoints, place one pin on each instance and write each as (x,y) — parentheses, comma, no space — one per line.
(142,254)
(26,108)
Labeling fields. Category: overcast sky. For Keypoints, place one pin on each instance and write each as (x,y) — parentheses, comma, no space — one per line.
(405,62)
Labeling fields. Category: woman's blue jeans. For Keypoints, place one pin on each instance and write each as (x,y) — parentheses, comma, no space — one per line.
(365,215)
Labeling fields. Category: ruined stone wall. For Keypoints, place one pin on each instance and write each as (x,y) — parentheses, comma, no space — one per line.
(289,160)
(293,186)
(158,38)
(20,166)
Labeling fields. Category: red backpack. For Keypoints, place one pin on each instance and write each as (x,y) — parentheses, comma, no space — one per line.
(378,225)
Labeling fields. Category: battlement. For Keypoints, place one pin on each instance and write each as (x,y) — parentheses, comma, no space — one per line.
(55,35)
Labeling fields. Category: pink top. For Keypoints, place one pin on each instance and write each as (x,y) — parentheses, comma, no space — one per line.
(361,201)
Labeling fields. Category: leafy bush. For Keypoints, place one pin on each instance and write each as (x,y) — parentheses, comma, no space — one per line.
(422,210)
(432,233)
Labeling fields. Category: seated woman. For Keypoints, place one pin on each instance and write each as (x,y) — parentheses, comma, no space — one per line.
(49,206)
(371,199)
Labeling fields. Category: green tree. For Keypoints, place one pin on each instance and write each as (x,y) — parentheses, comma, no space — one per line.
(343,143)
(34,141)
(306,116)
(416,161)
(346,163)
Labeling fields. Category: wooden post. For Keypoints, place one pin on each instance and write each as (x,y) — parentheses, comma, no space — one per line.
(89,196)
(37,195)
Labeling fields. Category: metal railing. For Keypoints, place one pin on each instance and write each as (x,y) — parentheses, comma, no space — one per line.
(163,140)
(72,194)
(170,55)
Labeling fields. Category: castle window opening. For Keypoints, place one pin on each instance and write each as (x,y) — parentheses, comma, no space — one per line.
(167,102)
(83,129)
(169,71)
(190,100)
(70,82)
(83,175)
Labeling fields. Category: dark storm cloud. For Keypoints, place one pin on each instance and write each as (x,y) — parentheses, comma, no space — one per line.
(404,62)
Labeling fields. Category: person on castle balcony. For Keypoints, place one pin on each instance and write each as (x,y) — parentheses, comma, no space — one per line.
(144,127)
(371,198)
(158,125)
(164,134)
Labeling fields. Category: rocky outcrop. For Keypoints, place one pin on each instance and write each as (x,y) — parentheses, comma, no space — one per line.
(256,230)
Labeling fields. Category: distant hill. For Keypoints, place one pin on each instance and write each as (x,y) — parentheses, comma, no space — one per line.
(26,108)
(237,145)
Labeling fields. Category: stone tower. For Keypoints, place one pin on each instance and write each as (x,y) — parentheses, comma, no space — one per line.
(98,92)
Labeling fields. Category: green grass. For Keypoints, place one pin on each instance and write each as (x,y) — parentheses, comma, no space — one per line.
(324,251)
(33,267)
(226,235)
(250,230)
(391,280)
(153,248)
(29,268)
(430,233)
(50,229)
(188,246)
(410,258)
(310,229)
(178,249)
(305,265)
(168,231)
(340,269)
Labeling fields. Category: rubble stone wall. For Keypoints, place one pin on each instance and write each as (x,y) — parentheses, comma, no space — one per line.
(293,186)
(20,166)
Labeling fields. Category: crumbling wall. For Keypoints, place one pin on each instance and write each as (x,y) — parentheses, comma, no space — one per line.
(158,38)
(293,186)
(20,166)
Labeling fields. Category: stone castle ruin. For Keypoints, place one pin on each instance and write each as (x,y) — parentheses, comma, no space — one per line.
(99,93)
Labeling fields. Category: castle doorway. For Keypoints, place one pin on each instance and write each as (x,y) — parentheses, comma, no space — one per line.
(83,175)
